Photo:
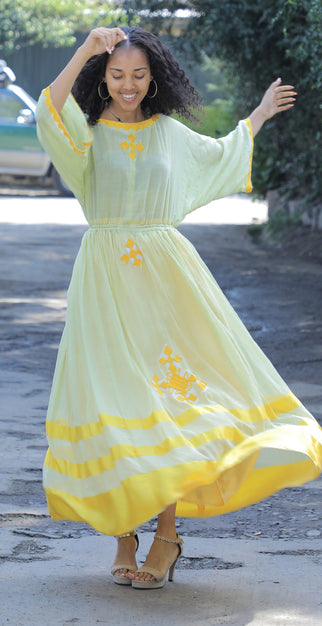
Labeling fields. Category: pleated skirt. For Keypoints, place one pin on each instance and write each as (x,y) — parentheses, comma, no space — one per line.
(160,394)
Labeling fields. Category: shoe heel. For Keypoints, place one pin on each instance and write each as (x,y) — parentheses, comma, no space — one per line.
(171,571)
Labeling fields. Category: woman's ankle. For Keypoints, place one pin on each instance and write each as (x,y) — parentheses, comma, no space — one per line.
(166,526)
(166,531)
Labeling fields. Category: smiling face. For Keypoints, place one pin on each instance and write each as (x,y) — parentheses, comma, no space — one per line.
(128,78)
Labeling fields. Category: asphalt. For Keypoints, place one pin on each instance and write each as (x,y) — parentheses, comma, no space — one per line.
(260,566)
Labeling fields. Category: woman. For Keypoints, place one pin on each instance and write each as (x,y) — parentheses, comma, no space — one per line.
(161,401)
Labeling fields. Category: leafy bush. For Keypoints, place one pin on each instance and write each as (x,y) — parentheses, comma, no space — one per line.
(216,120)
(49,22)
(260,40)
(280,221)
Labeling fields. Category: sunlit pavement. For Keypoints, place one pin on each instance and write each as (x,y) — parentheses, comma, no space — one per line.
(55,210)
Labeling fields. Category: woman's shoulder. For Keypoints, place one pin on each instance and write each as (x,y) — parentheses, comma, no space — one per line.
(173,125)
(169,121)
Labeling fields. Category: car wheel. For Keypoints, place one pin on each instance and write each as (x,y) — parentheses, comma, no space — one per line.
(60,184)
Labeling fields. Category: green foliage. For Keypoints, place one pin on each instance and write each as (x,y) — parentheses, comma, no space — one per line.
(51,22)
(260,40)
(256,231)
(273,230)
(217,87)
(216,120)
(281,220)
(158,16)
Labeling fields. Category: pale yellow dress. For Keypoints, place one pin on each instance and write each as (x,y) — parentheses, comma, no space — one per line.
(159,394)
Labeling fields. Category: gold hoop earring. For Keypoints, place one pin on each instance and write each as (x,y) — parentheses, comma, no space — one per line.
(156,89)
(99,90)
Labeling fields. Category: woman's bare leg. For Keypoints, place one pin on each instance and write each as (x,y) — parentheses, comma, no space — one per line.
(161,554)
(126,548)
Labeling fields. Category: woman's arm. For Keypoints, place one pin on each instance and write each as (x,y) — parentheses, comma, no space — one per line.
(276,99)
(98,41)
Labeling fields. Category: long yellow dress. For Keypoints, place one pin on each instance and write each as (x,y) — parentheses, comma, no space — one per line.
(159,394)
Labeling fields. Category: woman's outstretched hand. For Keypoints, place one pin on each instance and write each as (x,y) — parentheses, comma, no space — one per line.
(277,98)
(102,40)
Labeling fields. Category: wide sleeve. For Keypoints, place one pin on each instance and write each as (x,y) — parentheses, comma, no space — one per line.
(214,168)
(66,138)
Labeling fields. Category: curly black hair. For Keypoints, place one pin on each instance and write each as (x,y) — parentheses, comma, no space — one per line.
(175,92)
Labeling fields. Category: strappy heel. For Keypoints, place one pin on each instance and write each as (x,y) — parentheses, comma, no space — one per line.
(159,577)
(124,580)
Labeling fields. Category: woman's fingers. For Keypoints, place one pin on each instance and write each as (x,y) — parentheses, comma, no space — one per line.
(115,36)
(285,87)
(120,33)
(286,91)
(285,97)
(283,107)
(104,39)
(278,98)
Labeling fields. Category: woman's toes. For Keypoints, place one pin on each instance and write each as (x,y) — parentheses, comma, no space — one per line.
(140,576)
(120,572)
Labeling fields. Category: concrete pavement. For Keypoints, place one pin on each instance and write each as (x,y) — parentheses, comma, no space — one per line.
(238,209)
(70,584)
(261,566)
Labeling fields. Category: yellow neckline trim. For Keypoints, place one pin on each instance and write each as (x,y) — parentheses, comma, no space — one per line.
(135,125)
(58,121)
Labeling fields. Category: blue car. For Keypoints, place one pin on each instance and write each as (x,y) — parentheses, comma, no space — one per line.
(20,151)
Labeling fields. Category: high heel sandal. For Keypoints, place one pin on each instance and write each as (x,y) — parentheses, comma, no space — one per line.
(159,577)
(124,580)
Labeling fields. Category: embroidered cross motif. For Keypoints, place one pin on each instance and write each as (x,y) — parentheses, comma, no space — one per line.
(133,254)
(132,146)
(177,381)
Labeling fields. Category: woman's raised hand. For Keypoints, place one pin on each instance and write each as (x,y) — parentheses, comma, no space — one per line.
(102,40)
(277,98)
(98,41)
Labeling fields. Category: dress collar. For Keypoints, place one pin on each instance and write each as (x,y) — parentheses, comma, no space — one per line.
(134,125)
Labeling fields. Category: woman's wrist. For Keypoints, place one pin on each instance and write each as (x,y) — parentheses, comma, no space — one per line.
(257,119)
(84,53)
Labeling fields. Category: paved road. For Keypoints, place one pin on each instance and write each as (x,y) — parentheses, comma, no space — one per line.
(49,209)
(260,566)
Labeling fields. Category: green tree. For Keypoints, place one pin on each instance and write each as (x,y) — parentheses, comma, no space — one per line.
(260,40)
(50,22)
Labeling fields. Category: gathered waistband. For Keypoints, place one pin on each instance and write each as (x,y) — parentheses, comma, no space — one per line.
(130,226)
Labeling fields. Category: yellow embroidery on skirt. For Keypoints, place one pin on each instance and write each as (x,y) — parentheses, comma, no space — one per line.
(177,381)
(132,146)
(133,254)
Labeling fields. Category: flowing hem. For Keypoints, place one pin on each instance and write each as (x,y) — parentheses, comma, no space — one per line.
(200,488)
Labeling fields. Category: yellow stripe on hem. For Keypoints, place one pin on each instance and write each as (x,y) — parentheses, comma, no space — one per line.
(138,500)
(249,185)
(271,410)
(121,451)
(298,439)
(58,121)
